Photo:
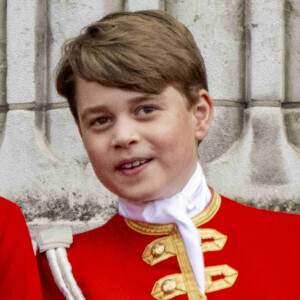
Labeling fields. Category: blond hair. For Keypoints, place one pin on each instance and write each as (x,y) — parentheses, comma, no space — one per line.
(143,51)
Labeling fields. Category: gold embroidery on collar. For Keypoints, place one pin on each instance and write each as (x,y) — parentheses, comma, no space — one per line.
(165,229)
(229,279)
(209,211)
(149,229)
(163,248)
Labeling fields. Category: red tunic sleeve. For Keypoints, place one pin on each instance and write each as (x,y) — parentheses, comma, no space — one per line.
(19,277)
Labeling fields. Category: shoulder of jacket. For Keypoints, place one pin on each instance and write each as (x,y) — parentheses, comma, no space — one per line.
(55,237)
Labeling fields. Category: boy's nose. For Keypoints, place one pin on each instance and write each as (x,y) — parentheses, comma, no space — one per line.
(125,135)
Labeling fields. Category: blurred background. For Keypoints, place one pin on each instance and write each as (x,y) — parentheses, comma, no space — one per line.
(252,53)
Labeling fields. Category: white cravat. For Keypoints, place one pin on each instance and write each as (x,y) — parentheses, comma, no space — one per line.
(178,209)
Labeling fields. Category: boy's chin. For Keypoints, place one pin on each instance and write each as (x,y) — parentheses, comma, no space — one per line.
(146,197)
(138,199)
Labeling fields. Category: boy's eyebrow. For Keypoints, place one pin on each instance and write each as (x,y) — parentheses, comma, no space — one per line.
(133,100)
(143,97)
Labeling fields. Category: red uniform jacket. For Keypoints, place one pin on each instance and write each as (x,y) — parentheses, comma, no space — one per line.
(248,254)
(19,278)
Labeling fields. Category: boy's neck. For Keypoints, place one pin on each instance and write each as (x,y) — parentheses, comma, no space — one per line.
(195,193)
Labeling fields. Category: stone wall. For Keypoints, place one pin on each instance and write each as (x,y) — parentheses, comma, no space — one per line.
(252,154)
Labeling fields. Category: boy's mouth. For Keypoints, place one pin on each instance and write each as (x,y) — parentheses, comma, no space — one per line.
(132,163)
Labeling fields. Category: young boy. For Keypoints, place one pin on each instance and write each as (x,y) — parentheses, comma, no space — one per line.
(136,85)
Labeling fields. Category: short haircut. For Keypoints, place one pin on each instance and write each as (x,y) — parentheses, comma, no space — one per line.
(143,51)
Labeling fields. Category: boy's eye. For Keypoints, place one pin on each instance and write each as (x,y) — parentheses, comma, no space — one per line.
(101,121)
(146,110)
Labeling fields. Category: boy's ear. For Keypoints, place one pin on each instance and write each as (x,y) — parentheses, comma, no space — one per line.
(203,113)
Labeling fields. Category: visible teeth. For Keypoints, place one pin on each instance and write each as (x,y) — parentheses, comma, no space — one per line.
(136,163)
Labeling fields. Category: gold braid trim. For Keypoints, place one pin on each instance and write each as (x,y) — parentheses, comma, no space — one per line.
(162,248)
(209,212)
(165,229)
(191,285)
(171,286)
(173,245)
(229,273)
(149,229)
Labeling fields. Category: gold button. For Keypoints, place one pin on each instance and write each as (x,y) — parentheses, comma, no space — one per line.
(158,249)
(168,286)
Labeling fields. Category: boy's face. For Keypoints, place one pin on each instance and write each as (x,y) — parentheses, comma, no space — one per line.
(143,147)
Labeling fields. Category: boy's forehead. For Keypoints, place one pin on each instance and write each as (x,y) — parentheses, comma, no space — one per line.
(95,89)
(90,93)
